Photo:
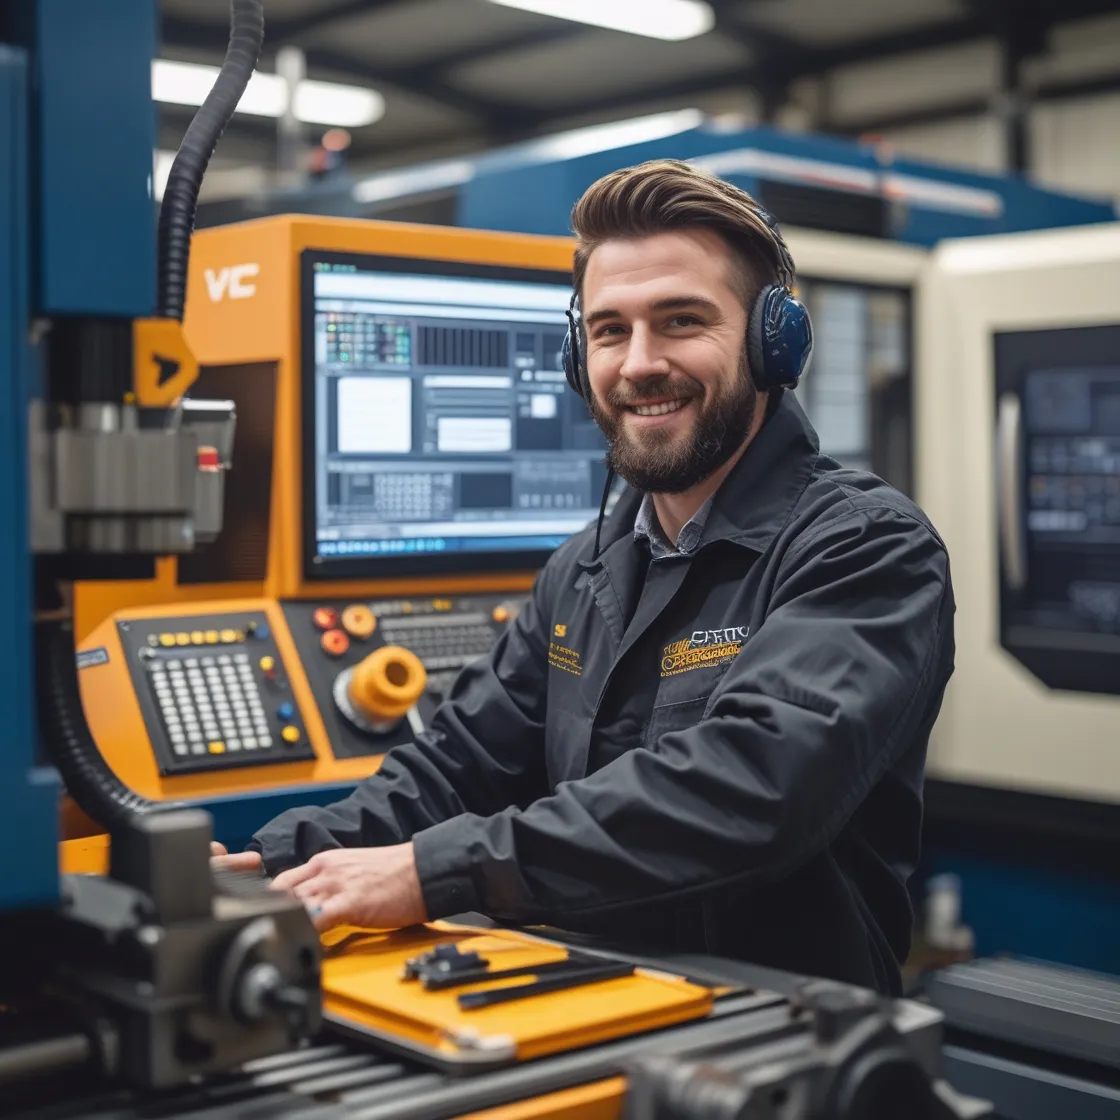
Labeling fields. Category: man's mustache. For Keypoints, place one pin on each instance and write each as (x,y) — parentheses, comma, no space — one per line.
(655,388)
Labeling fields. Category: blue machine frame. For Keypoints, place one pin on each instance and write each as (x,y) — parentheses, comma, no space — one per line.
(77,237)
(531,187)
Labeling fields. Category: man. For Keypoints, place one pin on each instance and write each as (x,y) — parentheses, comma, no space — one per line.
(706,731)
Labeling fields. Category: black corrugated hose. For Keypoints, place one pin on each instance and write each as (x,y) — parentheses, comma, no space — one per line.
(99,793)
(180,196)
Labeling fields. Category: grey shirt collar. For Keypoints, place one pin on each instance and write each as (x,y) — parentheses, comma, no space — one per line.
(648,527)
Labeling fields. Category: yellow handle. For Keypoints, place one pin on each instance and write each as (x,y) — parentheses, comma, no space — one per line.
(387,683)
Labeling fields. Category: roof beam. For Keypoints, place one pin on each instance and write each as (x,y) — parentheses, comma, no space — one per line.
(421,80)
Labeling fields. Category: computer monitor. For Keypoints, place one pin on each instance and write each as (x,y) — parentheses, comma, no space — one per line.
(439,432)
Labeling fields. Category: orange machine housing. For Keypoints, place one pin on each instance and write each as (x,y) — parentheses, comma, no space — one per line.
(243,326)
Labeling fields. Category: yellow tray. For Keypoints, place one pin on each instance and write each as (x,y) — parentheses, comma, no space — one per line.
(364,991)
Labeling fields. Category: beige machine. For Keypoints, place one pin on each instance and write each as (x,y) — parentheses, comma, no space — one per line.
(1018,460)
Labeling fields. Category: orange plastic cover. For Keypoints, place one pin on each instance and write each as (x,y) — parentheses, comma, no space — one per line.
(364,989)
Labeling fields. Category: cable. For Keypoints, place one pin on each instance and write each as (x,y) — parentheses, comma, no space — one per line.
(180,196)
(99,793)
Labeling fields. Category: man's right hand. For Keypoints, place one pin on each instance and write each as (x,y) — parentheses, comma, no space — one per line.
(239,861)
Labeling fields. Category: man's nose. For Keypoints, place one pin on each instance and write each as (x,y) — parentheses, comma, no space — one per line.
(644,355)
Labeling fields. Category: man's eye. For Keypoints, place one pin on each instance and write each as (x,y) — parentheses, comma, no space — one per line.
(610,329)
(683,321)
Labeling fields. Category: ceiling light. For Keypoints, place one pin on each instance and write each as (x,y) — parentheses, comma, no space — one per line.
(342,106)
(187,83)
(656,19)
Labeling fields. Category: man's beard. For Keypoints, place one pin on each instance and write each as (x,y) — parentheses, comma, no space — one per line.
(661,463)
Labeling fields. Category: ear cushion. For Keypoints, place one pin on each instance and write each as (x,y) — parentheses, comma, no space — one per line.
(756,347)
(569,362)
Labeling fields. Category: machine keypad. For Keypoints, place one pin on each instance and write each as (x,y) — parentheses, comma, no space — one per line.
(220,701)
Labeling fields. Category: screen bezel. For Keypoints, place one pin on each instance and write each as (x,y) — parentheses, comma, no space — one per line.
(412,564)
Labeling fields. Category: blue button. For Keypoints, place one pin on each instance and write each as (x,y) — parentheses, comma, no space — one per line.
(262,631)
(286,712)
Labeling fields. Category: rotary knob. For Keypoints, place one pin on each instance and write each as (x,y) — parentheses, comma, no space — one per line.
(376,694)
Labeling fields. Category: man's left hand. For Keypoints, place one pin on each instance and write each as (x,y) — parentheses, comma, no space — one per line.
(371,888)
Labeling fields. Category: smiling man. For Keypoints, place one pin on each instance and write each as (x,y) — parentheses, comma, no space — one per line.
(706,731)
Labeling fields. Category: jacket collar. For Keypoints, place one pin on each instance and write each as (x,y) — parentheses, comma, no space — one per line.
(757,497)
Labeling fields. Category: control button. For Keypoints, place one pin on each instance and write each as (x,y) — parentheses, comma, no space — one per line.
(264,741)
(268,666)
(500,615)
(335,643)
(406,608)
(290,734)
(441,604)
(258,630)
(229,635)
(358,621)
(182,639)
(324,618)
(197,637)
(386,684)
(211,637)
(286,712)
(216,747)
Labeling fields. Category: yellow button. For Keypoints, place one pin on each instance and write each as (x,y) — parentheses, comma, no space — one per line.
(358,621)
(167,639)
(183,639)
(290,734)
(196,637)
(500,615)
(216,748)
(268,664)
(229,635)
(406,608)
(441,604)
(211,637)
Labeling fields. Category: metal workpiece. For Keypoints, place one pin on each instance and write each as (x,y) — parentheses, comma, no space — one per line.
(106,479)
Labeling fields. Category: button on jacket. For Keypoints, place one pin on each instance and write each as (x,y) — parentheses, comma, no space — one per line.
(718,752)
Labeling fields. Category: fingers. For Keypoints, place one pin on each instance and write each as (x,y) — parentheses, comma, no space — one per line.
(290,879)
(239,861)
(217,849)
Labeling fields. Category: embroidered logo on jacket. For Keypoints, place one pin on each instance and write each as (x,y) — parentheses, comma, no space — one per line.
(703,649)
(561,657)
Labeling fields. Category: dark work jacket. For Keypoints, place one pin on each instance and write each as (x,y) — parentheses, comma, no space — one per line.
(721,753)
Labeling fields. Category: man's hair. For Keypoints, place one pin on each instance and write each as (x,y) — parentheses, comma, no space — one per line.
(668,194)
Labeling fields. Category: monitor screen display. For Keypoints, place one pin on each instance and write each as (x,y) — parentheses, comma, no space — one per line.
(439,431)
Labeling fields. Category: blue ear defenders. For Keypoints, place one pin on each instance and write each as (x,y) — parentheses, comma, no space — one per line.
(779,333)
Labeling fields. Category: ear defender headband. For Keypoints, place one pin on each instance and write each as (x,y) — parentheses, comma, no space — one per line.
(779,331)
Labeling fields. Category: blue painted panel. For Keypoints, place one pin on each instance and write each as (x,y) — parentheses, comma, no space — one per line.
(523,191)
(94,248)
(29,807)
(1062,917)
(237,817)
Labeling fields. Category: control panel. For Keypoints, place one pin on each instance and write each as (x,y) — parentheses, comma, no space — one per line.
(214,692)
(379,668)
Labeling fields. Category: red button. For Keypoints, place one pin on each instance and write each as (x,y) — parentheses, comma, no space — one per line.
(325,618)
(335,643)
(208,459)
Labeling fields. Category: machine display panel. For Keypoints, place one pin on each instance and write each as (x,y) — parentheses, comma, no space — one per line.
(1058,435)
(439,431)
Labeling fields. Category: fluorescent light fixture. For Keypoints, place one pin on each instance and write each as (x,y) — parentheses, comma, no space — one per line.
(414,180)
(656,19)
(340,106)
(327,103)
(615,134)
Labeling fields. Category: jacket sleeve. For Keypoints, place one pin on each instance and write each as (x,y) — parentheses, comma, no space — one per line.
(850,661)
(483,752)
